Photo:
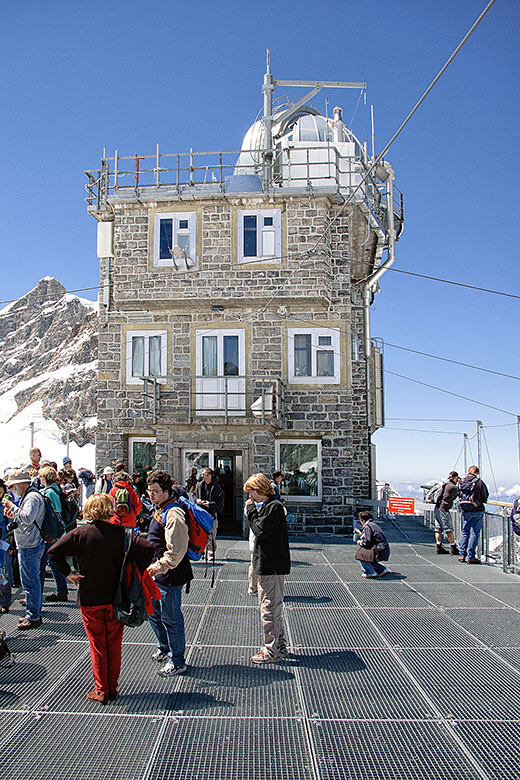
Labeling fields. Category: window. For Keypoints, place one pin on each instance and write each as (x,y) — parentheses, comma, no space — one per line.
(145,355)
(171,230)
(141,453)
(314,356)
(354,345)
(260,236)
(300,462)
(220,364)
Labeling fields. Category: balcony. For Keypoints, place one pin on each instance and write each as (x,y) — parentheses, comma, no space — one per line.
(250,400)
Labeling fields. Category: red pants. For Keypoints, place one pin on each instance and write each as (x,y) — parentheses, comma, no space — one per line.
(105,636)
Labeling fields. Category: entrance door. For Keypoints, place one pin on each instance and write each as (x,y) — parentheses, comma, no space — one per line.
(228,467)
(220,369)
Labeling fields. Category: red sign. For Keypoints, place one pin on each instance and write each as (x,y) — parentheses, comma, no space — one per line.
(402,506)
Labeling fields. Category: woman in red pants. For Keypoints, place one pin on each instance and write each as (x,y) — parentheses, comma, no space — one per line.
(97,548)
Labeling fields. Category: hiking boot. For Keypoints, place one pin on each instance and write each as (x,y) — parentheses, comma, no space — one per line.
(170,670)
(264,657)
(25,623)
(56,597)
(112,695)
(441,550)
(454,550)
(473,560)
(158,656)
(95,696)
(283,651)
(462,559)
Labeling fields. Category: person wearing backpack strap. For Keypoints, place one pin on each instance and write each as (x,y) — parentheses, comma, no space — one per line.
(97,547)
(127,504)
(171,570)
(210,495)
(27,517)
(473,494)
(53,491)
(443,525)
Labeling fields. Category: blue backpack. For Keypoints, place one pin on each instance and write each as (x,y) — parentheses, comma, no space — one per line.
(200,524)
(51,526)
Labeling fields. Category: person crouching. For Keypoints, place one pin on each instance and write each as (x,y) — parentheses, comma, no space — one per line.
(374,547)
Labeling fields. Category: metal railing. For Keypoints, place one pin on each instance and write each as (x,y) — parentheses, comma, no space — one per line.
(302,167)
(255,398)
(498,543)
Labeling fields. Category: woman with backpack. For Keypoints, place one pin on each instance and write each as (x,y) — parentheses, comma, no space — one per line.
(52,491)
(374,547)
(97,548)
(127,504)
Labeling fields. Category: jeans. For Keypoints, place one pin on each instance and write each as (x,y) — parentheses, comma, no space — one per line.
(59,578)
(167,623)
(30,559)
(471,528)
(370,569)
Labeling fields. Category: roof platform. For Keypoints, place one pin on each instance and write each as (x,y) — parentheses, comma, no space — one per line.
(410,676)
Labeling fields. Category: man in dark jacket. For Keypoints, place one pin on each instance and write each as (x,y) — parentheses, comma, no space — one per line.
(210,495)
(271,561)
(473,495)
(443,524)
(171,570)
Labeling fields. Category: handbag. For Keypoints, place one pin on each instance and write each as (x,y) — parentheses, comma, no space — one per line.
(366,554)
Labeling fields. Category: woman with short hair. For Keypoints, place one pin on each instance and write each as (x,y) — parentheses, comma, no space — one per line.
(97,548)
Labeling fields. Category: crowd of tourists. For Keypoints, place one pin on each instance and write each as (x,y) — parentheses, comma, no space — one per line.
(144,521)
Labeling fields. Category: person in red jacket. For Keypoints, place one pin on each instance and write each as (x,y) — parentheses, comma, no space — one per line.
(127,504)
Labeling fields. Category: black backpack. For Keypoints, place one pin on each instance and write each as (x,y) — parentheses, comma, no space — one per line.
(51,528)
(468,499)
(5,652)
(129,601)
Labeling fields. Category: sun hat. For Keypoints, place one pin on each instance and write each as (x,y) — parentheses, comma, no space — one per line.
(17,476)
(108,470)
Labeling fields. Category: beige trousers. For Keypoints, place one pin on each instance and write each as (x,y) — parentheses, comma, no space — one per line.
(270,600)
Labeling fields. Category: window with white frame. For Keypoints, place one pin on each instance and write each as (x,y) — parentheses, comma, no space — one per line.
(260,236)
(177,229)
(145,355)
(314,356)
(300,462)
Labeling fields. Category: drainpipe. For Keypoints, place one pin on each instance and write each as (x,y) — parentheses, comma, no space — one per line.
(385,172)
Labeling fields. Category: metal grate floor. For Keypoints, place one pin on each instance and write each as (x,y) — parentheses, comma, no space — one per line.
(412,676)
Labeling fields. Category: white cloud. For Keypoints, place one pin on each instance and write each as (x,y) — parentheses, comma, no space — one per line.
(511,492)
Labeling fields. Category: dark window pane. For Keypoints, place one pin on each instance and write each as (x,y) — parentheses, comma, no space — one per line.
(268,221)
(183,224)
(250,235)
(325,341)
(165,239)
(299,463)
(230,355)
(302,354)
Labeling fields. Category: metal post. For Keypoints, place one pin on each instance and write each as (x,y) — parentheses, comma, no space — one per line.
(31,428)
(157,166)
(68,441)
(479,446)
(518,432)
(268,89)
(465,459)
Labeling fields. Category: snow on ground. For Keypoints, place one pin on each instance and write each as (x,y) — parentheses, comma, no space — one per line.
(15,441)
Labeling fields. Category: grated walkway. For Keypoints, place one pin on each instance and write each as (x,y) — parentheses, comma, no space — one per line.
(413,676)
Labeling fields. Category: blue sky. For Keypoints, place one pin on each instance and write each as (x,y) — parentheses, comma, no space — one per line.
(77,78)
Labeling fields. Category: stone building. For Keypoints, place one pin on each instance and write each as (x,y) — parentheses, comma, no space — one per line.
(234,316)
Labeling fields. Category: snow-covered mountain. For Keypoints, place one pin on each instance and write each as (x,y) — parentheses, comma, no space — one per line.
(48,349)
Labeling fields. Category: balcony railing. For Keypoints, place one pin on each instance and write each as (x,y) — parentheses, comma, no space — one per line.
(255,399)
(205,173)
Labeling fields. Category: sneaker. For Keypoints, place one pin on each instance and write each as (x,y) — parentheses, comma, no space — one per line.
(462,559)
(264,657)
(158,656)
(473,560)
(25,623)
(56,597)
(368,576)
(170,670)
(384,572)
(441,550)
(454,550)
